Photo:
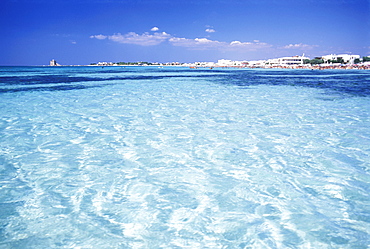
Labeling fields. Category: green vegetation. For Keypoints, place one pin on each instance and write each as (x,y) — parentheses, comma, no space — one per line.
(319,60)
(338,60)
(315,61)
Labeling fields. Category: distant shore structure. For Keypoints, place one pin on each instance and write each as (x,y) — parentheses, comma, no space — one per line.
(54,63)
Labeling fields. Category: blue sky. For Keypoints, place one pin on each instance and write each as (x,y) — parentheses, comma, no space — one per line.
(87,31)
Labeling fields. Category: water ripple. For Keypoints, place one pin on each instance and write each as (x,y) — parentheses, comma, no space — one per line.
(185,162)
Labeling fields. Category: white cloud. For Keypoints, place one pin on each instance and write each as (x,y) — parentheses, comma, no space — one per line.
(203,40)
(182,42)
(99,37)
(204,44)
(299,46)
(154,29)
(249,46)
(210,30)
(148,39)
(237,43)
(197,43)
(145,39)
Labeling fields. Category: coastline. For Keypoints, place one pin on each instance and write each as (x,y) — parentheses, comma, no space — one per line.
(191,66)
(310,67)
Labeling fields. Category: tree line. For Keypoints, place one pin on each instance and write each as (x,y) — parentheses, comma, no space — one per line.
(319,60)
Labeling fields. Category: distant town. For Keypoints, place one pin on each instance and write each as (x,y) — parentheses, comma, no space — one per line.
(340,61)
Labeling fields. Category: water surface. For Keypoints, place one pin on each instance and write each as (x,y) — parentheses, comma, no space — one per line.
(146,157)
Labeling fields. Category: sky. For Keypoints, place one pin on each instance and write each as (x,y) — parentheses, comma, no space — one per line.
(80,32)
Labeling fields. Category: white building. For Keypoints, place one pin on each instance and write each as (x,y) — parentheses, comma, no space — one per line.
(230,63)
(257,63)
(347,58)
(288,61)
(105,63)
(204,64)
(224,63)
(53,63)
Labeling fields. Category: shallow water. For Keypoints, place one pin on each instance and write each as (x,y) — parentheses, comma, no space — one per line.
(145,157)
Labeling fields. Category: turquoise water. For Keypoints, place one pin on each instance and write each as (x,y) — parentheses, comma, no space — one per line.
(146,157)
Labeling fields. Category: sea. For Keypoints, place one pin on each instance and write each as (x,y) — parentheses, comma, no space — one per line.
(173,157)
